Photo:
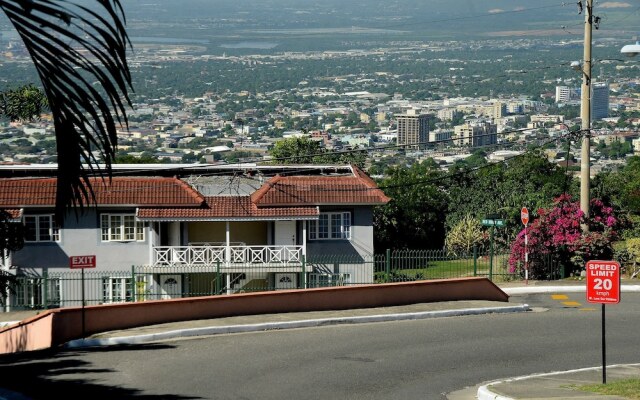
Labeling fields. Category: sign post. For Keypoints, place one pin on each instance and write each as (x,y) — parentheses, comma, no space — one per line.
(492,222)
(82,262)
(603,286)
(524,217)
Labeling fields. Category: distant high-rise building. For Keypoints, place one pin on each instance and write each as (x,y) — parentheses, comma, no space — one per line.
(563,94)
(413,129)
(566,94)
(599,100)
(475,134)
(499,110)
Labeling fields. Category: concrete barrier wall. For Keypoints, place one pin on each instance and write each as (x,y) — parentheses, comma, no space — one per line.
(30,334)
(67,324)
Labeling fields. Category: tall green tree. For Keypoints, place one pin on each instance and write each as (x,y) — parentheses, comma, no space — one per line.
(528,180)
(304,150)
(79,52)
(23,103)
(415,216)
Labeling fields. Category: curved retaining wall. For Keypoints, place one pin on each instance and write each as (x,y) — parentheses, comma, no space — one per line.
(58,326)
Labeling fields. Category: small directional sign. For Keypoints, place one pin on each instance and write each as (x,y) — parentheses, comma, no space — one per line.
(493,222)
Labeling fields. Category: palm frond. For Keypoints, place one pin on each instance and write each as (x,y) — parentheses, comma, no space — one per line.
(80,55)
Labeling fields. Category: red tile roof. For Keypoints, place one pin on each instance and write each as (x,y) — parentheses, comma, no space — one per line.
(225,207)
(316,190)
(15,214)
(141,191)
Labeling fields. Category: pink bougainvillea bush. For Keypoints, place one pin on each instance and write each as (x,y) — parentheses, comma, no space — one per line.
(556,236)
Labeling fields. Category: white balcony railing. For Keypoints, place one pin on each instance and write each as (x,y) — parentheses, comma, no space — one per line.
(171,256)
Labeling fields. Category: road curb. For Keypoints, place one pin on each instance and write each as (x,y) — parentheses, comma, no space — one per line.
(217,330)
(554,289)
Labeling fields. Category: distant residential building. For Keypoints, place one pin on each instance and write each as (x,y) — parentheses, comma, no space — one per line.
(440,136)
(547,118)
(413,129)
(357,141)
(566,94)
(563,94)
(499,110)
(475,134)
(447,114)
(636,146)
(514,107)
(321,136)
(599,100)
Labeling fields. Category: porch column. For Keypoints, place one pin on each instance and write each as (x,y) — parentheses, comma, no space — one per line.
(228,249)
(304,237)
(153,236)
(175,234)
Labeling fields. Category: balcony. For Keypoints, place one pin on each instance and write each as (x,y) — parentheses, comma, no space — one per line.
(225,257)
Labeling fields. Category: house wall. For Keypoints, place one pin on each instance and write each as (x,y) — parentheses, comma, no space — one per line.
(250,232)
(361,243)
(81,236)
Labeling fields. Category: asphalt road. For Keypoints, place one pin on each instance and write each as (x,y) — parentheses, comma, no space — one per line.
(421,359)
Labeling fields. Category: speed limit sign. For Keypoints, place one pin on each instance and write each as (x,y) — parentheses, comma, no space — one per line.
(603,282)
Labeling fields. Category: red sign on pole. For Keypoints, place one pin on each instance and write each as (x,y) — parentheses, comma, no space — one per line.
(80,262)
(603,282)
(524,216)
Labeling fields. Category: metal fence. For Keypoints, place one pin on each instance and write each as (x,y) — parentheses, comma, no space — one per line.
(143,283)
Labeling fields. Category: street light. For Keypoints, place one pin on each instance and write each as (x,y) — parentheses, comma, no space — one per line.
(631,50)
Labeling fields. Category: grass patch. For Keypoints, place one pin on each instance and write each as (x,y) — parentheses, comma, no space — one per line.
(627,388)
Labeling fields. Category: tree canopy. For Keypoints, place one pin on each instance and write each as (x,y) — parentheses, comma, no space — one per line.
(304,150)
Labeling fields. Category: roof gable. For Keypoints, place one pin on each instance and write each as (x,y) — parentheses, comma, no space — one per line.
(357,189)
(33,192)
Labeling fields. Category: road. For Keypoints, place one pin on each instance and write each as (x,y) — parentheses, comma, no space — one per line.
(421,359)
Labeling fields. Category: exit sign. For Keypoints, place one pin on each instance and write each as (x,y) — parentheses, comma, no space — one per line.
(80,262)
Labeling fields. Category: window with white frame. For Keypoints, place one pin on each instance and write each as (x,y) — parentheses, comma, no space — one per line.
(331,225)
(41,228)
(121,228)
(329,280)
(31,293)
(116,290)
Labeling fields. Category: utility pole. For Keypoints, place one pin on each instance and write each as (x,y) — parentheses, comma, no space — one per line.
(585,114)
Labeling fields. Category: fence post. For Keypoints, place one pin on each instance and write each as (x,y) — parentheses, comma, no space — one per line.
(475,260)
(218,277)
(387,266)
(303,278)
(45,278)
(133,284)
(493,227)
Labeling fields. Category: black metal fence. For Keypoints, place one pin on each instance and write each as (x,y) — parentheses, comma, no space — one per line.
(55,289)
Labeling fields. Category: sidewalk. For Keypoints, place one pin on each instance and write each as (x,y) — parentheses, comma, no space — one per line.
(557,385)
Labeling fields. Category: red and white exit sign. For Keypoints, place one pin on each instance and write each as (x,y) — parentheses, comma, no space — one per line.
(603,282)
(78,262)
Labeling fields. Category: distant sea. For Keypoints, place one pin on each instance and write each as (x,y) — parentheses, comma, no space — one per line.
(169,40)
(250,45)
